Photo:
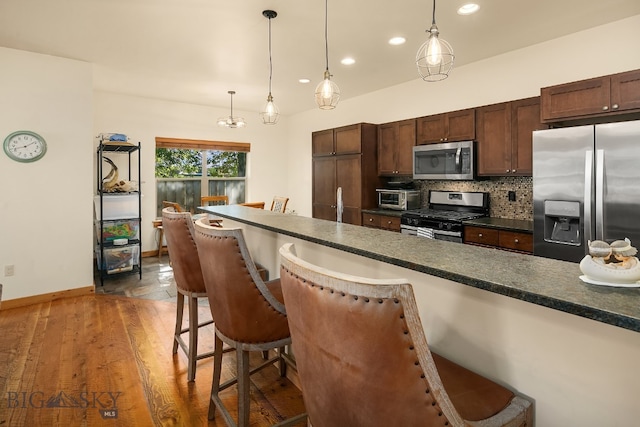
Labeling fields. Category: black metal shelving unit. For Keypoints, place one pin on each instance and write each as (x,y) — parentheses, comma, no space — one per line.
(114,260)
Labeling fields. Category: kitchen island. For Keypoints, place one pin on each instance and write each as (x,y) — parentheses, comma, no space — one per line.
(524,321)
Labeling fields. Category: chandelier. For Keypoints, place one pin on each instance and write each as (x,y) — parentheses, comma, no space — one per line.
(230,121)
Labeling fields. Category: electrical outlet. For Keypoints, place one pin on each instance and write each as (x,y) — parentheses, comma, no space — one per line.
(512,196)
(9,270)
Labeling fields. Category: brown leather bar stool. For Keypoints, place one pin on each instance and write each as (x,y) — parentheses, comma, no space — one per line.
(183,254)
(250,314)
(363,359)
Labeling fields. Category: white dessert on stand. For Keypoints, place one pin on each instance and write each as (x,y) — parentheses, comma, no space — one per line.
(612,264)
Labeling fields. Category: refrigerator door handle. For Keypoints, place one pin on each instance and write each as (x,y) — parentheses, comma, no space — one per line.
(600,194)
(588,185)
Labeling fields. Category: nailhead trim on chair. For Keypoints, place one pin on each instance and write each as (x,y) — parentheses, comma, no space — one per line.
(405,331)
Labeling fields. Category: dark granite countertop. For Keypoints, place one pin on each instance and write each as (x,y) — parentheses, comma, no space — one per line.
(379,211)
(502,224)
(541,281)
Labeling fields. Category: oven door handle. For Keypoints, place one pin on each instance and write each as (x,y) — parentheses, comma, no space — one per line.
(448,233)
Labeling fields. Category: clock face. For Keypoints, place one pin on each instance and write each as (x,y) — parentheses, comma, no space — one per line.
(25,146)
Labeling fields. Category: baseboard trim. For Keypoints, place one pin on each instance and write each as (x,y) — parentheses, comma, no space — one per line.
(38,299)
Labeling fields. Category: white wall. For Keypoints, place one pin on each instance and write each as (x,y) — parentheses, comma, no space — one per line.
(144,119)
(596,52)
(45,207)
(52,96)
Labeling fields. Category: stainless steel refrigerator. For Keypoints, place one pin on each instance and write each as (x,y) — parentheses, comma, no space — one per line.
(586,186)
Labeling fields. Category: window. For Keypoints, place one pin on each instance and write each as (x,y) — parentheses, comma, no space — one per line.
(188,169)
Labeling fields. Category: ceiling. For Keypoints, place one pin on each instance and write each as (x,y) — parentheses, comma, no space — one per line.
(195,51)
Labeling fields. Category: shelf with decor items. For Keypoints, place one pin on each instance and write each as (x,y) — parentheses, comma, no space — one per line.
(118,208)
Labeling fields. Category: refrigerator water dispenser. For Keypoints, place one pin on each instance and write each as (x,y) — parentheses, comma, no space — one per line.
(562,222)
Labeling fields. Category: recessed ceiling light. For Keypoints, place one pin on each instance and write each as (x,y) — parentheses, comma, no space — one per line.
(348,61)
(304,80)
(397,41)
(468,9)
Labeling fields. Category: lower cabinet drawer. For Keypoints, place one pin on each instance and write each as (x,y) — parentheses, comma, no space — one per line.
(381,221)
(511,240)
(370,220)
(482,236)
(390,223)
(518,241)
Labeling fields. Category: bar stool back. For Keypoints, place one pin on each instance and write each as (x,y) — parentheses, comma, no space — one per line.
(363,359)
(183,254)
(250,314)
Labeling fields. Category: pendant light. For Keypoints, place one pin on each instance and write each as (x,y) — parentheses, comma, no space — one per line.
(435,56)
(270,112)
(231,122)
(327,92)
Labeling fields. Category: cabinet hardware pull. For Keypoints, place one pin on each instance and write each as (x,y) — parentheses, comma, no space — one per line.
(614,106)
(517,241)
(508,170)
(370,219)
(605,108)
(479,234)
(513,171)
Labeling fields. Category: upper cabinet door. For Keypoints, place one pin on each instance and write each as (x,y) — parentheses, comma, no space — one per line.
(494,139)
(431,129)
(348,139)
(322,143)
(461,125)
(387,138)
(575,99)
(525,118)
(404,147)
(395,147)
(448,127)
(625,91)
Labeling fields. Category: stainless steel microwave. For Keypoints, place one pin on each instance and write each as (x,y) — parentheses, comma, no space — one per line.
(446,161)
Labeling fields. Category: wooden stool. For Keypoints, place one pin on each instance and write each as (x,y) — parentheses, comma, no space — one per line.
(157,224)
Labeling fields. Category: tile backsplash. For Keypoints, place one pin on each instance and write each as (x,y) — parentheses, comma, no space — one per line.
(498,188)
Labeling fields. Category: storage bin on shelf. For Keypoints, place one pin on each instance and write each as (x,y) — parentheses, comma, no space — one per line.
(115,230)
(116,206)
(118,259)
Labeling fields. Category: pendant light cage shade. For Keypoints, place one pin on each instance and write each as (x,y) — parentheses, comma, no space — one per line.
(231,121)
(435,57)
(270,112)
(327,93)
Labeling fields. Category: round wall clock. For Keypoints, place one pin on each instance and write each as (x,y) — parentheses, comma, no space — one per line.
(25,146)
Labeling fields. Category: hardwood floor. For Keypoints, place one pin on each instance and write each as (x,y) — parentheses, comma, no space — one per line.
(106,359)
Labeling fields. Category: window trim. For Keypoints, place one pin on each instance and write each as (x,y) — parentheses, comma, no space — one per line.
(202,144)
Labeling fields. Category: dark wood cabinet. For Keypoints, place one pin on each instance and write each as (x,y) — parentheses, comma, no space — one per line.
(447,127)
(349,162)
(503,239)
(504,133)
(385,222)
(395,147)
(600,96)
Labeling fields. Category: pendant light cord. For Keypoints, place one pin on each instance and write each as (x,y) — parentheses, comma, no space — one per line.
(270,62)
(433,22)
(326,37)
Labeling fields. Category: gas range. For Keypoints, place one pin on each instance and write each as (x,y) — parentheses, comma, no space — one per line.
(443,218)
